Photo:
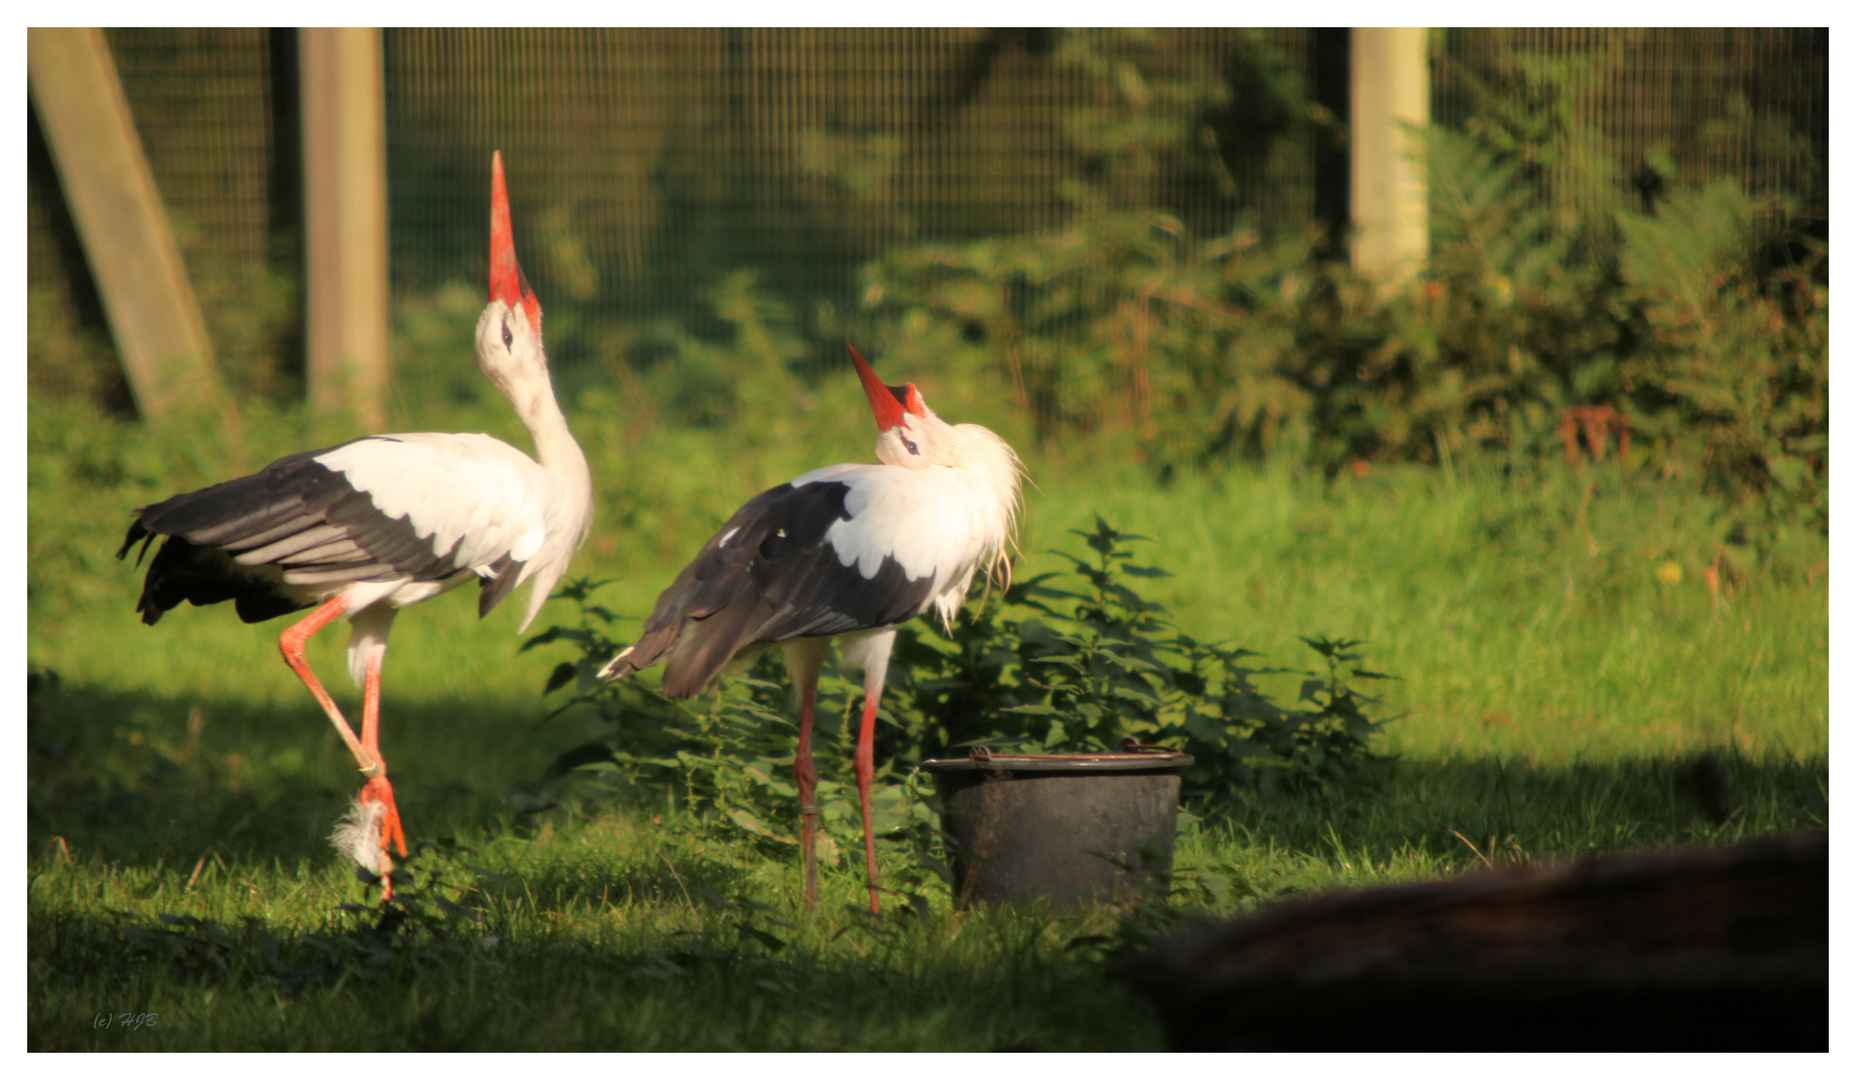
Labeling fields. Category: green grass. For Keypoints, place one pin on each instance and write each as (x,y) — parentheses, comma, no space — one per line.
(1555,695)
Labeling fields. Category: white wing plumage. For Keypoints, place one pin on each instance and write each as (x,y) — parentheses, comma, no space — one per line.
(471,494)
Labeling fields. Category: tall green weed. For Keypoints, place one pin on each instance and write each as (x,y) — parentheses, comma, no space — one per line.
(1061,663)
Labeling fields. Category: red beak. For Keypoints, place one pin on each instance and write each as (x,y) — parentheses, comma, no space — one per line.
(506,281)
(889,403)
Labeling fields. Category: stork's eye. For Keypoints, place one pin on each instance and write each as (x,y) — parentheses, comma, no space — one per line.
(509,339)
(910,445)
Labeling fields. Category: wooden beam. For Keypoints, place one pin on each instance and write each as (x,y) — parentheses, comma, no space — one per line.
(1391,88)
(149,302)
(345,212)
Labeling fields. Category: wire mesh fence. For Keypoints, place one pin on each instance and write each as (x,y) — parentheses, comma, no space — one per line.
(1646,111)
(652,161)
(647,163)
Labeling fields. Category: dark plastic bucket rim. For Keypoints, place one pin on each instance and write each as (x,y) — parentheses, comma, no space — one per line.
(1115,762)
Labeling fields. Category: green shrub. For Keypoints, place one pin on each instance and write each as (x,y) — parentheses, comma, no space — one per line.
(1732,377)
(1558,315)
(1704,326)
(1080,661)
(1063,662)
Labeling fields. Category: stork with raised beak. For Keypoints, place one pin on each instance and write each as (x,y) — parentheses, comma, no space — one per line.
(365,528)
(847,551)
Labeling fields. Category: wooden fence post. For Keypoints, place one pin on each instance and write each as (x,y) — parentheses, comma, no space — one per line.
(153,314)
(1391,88)
(345,219)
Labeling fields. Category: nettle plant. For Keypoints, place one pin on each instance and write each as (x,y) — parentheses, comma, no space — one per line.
(724,759)
(1078,660)
(1072,660)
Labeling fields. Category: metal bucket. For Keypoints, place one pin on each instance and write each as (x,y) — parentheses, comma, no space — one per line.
(1071,828)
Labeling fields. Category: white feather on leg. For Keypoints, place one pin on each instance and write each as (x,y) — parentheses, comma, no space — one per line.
(357,835)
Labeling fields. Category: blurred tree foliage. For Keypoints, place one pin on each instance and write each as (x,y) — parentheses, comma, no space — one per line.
(1173,302)
(1697,323)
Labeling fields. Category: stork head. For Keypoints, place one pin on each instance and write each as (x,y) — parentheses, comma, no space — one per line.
(911,436)
(907,429)
(509,331)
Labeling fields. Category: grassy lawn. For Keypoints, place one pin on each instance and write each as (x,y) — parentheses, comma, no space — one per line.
(1566,683)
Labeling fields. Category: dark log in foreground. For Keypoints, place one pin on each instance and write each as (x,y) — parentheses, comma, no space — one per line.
(1723,948)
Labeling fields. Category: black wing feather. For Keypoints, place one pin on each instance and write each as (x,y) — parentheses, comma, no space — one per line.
(285,500)
(775,578)
(493,588)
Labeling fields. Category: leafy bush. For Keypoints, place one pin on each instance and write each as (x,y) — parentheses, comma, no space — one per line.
(726,757)
(1703,324)
(1080,661)
(1733,374)
(1551,297)
(1686,328)
(1047,668)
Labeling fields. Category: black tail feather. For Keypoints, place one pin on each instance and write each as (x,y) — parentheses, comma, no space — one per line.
(186,573)
(287,497)
(707,645)
(136,532)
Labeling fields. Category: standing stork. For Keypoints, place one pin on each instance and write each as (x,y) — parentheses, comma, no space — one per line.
(846,550)
(367,527)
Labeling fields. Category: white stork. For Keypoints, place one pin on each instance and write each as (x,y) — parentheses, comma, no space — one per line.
(367,527)
(846,550)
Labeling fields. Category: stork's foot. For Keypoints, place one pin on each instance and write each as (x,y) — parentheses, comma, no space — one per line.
(370,827)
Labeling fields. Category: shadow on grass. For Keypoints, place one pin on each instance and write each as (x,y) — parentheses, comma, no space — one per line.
(132,780)
(571,945)
(1469,812)
(136,779)
(733,980)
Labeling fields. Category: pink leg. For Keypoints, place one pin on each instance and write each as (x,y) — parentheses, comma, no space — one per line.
(292,643)
(370,741)
(804,658)
(379,789)
(865,767)
(807,775)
